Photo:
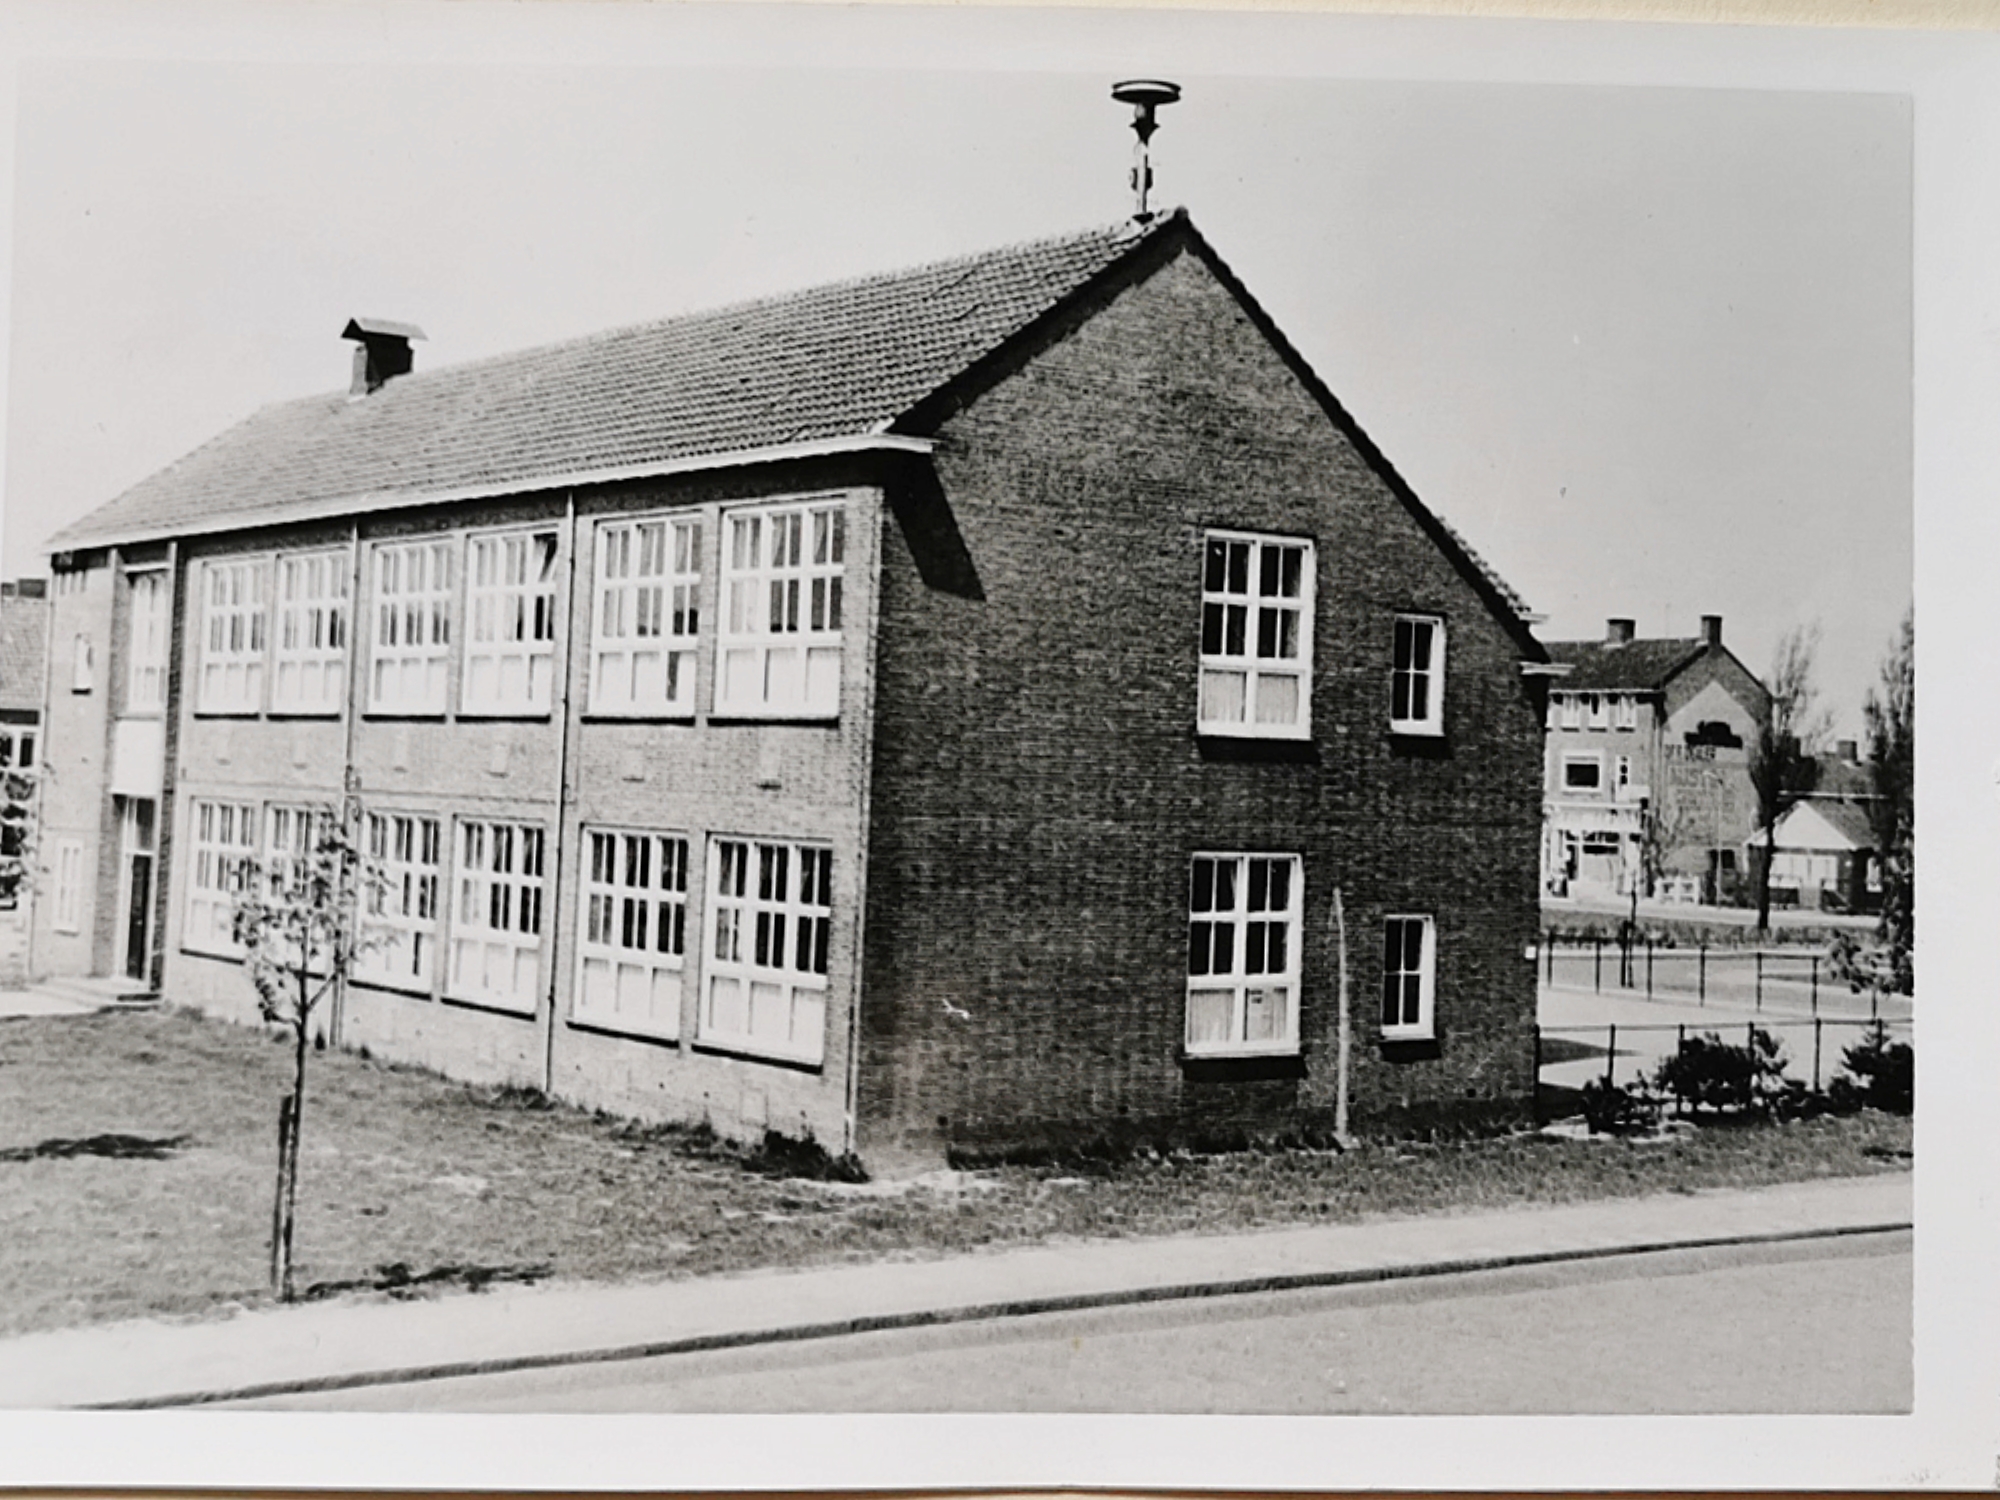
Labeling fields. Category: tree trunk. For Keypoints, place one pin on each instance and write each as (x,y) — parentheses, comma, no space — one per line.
(1764,876)
(288,1159)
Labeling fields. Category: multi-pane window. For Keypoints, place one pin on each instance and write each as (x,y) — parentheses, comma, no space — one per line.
(68,915)
(399,923)
(233,637)
(634,932)
(146,684)
(310,672)
(647,619)
(779,652)
(1409,974)
(1625,711)
(1416,679)
(496,940)
(1256,636)
(1243,953)
(222,858)
(770,917)
(290,835)
(510,644)
(409,658)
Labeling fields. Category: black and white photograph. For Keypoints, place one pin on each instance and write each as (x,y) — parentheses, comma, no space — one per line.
(827,720)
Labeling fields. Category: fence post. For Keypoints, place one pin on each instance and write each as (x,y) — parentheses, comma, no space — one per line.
(1817,1023)
(1874,1002)
(1610,1054)
(1701,982)
(1680,1046)
(1760,980)
(1538,1075)
(1552,955)
(1815,985)
(1649,966)
(1597,971)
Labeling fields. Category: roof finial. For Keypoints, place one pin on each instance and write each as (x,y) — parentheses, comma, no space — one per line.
(1145,95)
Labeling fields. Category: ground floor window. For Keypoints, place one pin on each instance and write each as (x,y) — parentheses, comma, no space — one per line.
(1409,975)
(634,937)
(496,941)
(771,915)
(399,925)
(222,856)
(1243,953)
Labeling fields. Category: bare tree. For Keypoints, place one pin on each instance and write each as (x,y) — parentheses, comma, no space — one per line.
(1890,712)
(1784,757)
(298,920)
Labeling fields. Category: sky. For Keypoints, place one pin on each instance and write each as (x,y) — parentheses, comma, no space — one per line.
(1647,348)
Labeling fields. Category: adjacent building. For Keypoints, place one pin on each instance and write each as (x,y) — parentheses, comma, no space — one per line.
(999,704)
(1826,856)
(1647,773)
(24,649)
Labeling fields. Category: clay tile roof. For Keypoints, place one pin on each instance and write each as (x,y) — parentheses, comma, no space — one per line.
(24,648)
(838,361)
(1634,666)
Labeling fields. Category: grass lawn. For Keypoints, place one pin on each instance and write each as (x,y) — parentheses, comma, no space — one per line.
(137,1157)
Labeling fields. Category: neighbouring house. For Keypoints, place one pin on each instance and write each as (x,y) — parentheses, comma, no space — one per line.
(1648,766)
(1825,856)
(24,649)
(999,704)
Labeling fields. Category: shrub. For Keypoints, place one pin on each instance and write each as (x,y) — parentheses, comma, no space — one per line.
(1885,1074)
(1712,1075)
(1613,1109)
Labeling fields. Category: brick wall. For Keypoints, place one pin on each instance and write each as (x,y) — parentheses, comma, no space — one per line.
(1039,789)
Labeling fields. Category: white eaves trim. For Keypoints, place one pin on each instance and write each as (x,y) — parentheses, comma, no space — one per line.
(383,500)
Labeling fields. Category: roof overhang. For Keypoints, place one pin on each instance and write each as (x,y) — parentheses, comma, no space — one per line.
(1547,668)
(335,507)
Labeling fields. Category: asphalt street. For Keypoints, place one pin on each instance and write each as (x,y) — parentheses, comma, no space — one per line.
(1819,1326)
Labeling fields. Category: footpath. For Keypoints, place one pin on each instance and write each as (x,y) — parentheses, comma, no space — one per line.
(354,1342)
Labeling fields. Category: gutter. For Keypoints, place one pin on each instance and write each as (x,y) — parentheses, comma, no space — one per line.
(372,502)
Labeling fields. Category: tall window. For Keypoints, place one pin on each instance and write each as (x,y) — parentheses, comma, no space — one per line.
(634,932)
(310,676)
(771,912)
(511,604)
(779,652)
(1256,636)
(1572,711)
(496,940)
(1409,971)
(399,928)
(82,663)
(643,656)
(1625,709)
(1243,953)
(1599,710)
(146,686)
(233,640)
(222,859)
(408,660)
(1416,680)
(68,915)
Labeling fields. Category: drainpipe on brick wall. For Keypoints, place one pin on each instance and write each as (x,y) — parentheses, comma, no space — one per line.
(1345,1035)
(552,922)
(350,778)
(34,882)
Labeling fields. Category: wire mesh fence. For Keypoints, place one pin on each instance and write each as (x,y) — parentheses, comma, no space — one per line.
(1812,1049)
(1777,982)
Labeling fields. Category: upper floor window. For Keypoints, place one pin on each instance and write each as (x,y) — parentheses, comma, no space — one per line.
(233,638)
(1409,978)
(409,657)
(1570,706)
(511,601)
(399,924)
(634,932)
(1416,693)
(1598,710)
(1583,773)
(770,920)
(1243,953)
(146,684)
(647,617)
(1256,636)
(310,675)
(779,652)
(496,940)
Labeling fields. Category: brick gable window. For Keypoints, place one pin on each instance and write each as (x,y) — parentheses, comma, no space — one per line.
(234,637)
(496,940)
(779,652)
(146,680)
(642,659)
(1409,978)
(310,672)
(511,604)
(399,922)
(409,657)
(1256,636)
(222,857)
(1243,953)
(1416,678)
(634,943)
(771,917)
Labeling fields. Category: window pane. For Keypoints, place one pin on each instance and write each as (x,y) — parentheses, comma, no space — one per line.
(1277,698)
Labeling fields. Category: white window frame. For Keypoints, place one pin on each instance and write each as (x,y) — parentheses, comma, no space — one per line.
(1242,639)
(67,914)
(17,748)
(223,849)
(1571,705)
(770,904)
(82,663)
(1625,711)
(409,656)
(1582,758)
(498,914)
(1396,972)
(1230,946)
(648,617)
(511,601)
(1598,707)
(309,645)
(401,910)
(234,635)
(1406,679)
(779,647)
(150,599)
(632,931)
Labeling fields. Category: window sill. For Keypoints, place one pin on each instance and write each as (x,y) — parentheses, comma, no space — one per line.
(1297,732)
(727,716)
(751,1051)
(406,715)
(492,1005)
(1413,731)
(1226,1054)
(505,715)
(393,986)
(1404,1036)
(304,713)
(639,716)
(623,1032)
(227,713)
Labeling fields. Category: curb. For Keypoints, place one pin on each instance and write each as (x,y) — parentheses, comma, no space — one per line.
(977,1312)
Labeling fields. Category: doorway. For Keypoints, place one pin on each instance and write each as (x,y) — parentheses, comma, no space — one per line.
(137,849)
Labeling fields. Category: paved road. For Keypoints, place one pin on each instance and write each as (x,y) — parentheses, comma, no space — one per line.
(1815,1326)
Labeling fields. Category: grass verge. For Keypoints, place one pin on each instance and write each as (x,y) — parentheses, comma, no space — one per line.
(137,1157)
